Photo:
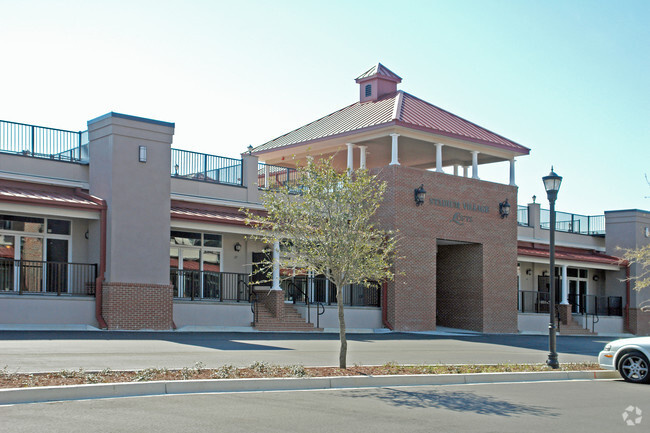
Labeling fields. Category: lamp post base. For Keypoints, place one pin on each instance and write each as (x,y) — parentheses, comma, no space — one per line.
(552,361)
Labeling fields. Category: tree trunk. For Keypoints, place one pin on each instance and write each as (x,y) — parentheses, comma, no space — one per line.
(344,342)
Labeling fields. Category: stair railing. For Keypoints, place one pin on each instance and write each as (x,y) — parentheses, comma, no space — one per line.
(253,300)
(293,288)
(320,310)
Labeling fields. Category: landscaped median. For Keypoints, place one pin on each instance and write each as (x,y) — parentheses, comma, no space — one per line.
(260,376)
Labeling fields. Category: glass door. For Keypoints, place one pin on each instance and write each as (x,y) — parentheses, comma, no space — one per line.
(8,271)
(31,264)
(56,271)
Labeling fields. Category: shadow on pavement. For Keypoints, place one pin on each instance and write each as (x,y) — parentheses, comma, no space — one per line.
(459,401)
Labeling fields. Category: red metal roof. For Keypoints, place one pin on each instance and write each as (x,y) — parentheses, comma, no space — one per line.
(381,71)
(45,197)
(571,254)
(399,108)
(216,216)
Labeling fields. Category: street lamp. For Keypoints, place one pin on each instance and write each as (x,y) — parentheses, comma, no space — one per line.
(552,185)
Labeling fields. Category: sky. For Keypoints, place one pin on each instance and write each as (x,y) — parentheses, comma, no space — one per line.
(568,79)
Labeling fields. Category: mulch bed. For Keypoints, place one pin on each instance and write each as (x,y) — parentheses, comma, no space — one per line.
(257,370)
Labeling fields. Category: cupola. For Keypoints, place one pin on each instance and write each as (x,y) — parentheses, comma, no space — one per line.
(377,82)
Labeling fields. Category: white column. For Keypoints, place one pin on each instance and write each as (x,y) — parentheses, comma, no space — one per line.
(394,160)
(565,291)
(362,157)
(475,164)
(512,172)
(456,169)
(465,171)
(350,156)
(439,157)
(276,266)
(267,172)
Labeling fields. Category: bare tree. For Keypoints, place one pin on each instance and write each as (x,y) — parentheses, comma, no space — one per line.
(326,225)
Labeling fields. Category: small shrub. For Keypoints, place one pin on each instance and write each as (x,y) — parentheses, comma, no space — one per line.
(297,370)
(225,372)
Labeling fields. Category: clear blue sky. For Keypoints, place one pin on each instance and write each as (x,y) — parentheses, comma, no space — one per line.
(568,79)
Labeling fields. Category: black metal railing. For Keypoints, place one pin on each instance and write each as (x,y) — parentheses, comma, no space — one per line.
(274,177)
(318,289)
(186,164)
(216,286)
(574,223)
(531,301)
(522,215)
(596,305)
(42,142)
(29,276)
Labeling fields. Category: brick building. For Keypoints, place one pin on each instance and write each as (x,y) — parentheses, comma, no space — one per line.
(111,227)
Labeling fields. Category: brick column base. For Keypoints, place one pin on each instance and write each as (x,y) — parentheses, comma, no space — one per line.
(273,300)
(137,306)
(639,322)
(565,313)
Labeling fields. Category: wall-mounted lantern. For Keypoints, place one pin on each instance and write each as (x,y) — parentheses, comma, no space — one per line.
(237,247)
(504,209)
(420,193)
(176,170)
(250,149)
(142,155)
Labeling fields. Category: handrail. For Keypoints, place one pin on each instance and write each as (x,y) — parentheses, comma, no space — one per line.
(293,285)
(253,300)
(247,288)
(319,313)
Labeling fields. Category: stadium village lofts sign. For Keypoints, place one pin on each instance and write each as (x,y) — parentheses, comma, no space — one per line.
(458,217)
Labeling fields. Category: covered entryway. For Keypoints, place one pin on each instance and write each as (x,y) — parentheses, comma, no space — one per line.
(459,285)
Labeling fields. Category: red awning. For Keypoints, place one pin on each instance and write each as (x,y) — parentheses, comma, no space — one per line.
(571,254)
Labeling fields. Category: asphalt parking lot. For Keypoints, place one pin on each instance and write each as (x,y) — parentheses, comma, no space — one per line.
(41,351)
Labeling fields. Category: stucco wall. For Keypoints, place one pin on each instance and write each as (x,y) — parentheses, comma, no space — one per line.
(355,317)
(205,313)
(47,310)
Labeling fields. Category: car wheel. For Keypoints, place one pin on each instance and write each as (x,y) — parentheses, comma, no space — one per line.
(634,368)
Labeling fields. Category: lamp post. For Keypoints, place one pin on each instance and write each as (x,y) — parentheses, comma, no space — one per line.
(552,185)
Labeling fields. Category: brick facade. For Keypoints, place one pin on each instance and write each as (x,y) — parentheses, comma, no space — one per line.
(455,242)
(639,322)
(137,306)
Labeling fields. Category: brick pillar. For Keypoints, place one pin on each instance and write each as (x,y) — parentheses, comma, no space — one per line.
(137,306)
(565,313)
(273,300)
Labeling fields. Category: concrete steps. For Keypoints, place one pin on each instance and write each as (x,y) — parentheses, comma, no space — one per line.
(291,320)
(574,328)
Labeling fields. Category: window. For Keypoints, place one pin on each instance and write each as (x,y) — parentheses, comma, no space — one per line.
(33,259)
(368,89)
(195,264)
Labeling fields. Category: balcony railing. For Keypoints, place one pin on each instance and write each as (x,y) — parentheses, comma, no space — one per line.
(531,301)
(522,215)
(320,290)
(186,164)
(274,177)
(34,277)
(574,223)
(596,305)
(42,142)
(215,286)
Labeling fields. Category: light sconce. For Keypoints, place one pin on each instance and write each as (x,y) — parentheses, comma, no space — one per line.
(237,247)
(529,271)
(86,234)
(596,278)
(176,170)
(419,193)
(142,156)
(250,149)
(504,209)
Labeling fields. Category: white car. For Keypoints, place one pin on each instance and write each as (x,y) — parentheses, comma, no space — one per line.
(630,357)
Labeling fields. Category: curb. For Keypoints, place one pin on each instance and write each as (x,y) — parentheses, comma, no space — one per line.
(134,389)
